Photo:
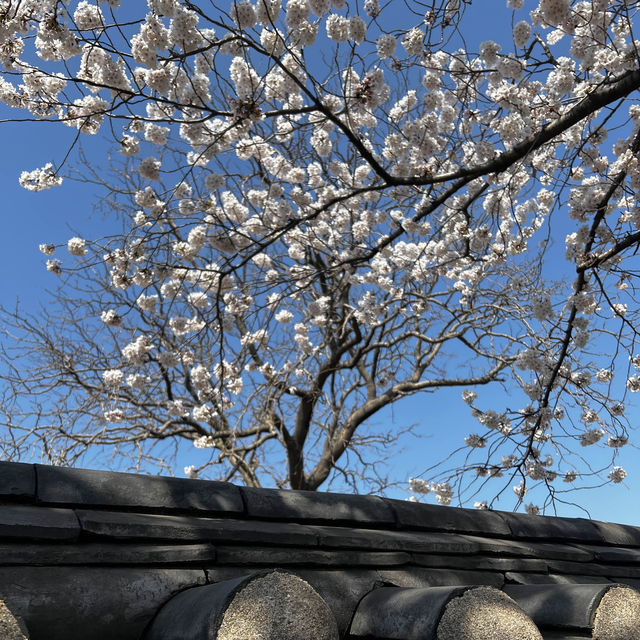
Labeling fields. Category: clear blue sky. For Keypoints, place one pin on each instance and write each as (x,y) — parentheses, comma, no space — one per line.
(54,215)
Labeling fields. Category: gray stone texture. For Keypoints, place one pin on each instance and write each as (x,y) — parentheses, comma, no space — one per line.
(11,628)
(485,614)
(194,613)
(59,485)
(76,603)
(277,606)
(618,615)
(631,582)
(311,506)
(265,606)
(342,590)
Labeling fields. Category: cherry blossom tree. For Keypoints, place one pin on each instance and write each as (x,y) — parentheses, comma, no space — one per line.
(328,206)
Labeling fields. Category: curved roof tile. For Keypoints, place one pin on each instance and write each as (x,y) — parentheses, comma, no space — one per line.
(93,553)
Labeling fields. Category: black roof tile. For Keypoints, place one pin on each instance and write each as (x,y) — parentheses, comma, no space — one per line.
(515,577)
(401,613)
(105,553)
(37,523)
(613,555)
(523,525)
(480,563)
(116,524)
(427,577)
(560,606)
(311,506)
(133,534)
(303,556)
(618,534)
(428,542)
(431,517)
(68,603)
(531,549)
(59,485)
(17,481)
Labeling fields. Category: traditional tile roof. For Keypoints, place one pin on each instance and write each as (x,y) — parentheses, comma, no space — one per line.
(106,556)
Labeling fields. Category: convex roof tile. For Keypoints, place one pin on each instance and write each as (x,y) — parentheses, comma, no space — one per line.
(92,553)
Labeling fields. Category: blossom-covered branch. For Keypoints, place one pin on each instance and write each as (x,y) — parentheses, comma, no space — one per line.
(328,206)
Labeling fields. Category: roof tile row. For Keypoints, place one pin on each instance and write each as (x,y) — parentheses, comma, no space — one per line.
(105,550)
(78,487)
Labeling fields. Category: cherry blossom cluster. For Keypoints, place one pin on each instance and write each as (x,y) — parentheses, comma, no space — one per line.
(278,211)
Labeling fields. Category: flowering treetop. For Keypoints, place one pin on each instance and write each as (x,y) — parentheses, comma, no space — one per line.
(330,206)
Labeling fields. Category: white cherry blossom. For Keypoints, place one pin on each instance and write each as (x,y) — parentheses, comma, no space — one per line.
(327,207)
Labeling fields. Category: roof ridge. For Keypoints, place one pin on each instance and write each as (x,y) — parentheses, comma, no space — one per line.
(53,486)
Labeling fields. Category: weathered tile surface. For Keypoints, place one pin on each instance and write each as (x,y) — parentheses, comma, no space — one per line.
(117,524)
(481,563)
(514,577)
(17,481)
(342,590)
(103,488)
(559,566)
(76,603)
(559,605)
(613,555)
(530,549)
(47,554)
(310,506)
(270,556)
(426,542)
(618,534)
(424,577)
(133,534)
(432,517)
(26,522)
(392,612)
(547,528)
